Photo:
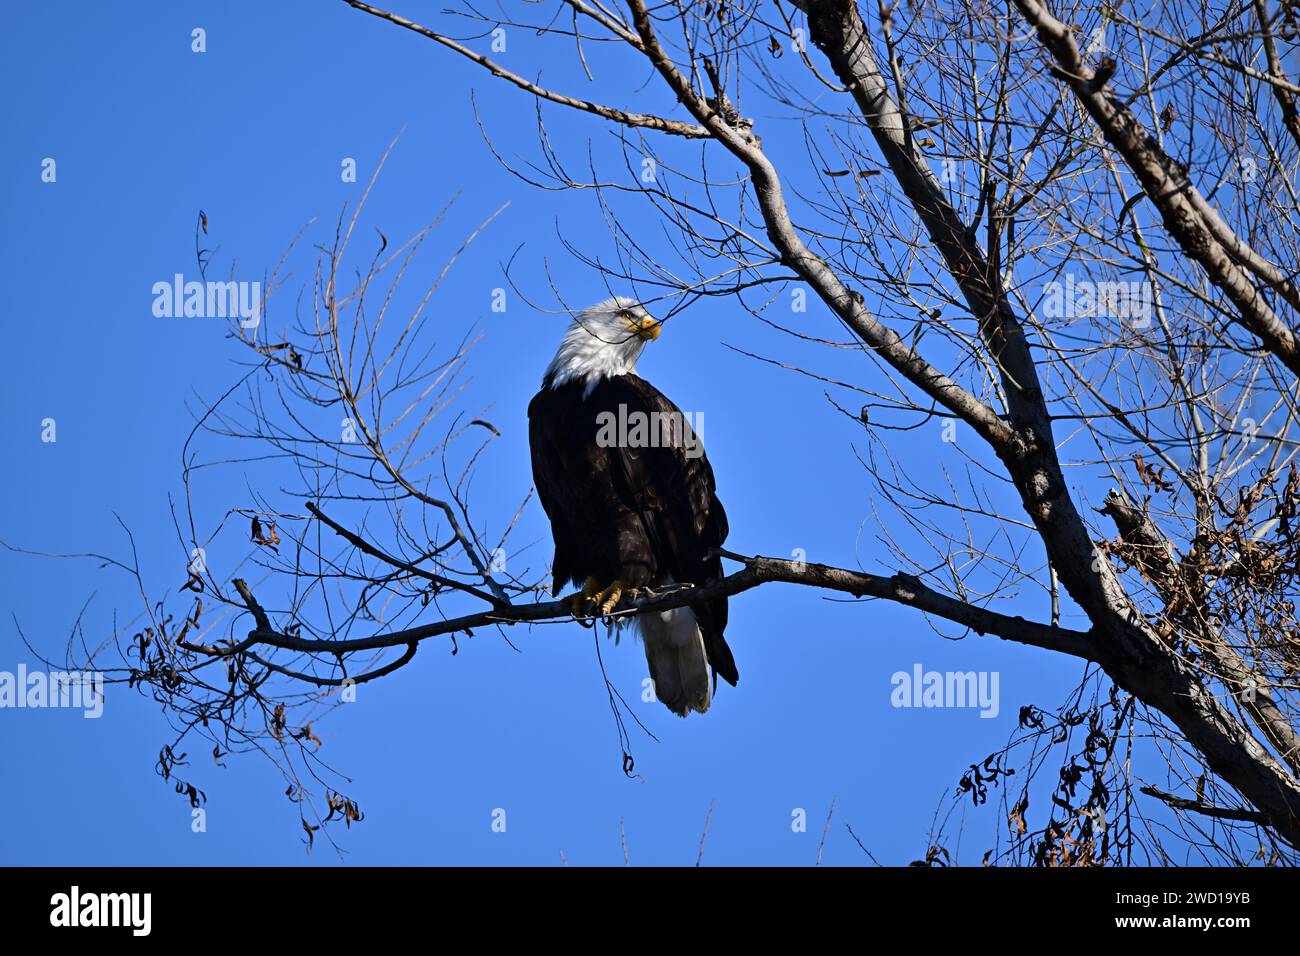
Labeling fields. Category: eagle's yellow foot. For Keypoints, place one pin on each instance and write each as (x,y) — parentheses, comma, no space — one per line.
(578,604)
(608,599)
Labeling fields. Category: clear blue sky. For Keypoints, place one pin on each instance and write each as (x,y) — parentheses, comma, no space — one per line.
(145,133)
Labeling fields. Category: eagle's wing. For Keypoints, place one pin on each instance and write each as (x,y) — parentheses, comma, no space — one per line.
(669,482)
(562,473)
(670,486)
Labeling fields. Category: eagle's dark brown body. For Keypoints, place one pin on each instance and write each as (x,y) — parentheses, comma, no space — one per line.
(641,514)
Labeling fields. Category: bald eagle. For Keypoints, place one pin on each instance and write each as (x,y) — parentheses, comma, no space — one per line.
(630,494)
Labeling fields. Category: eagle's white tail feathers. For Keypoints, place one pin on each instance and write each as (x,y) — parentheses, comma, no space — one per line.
(674,649)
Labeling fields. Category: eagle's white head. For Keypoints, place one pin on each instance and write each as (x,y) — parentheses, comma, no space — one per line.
(605,339)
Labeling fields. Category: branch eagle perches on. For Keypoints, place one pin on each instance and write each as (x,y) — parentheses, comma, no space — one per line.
(900,588)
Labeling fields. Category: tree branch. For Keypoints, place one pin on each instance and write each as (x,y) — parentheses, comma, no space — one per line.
(363,545)
(1219,813)
(641,120)
(1284,96)
(899,588)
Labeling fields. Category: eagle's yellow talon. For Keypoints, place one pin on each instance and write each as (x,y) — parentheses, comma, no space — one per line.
(579,602)
(608,599)
(594,601)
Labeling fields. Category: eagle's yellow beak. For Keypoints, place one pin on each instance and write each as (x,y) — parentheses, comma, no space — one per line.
(647,330)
